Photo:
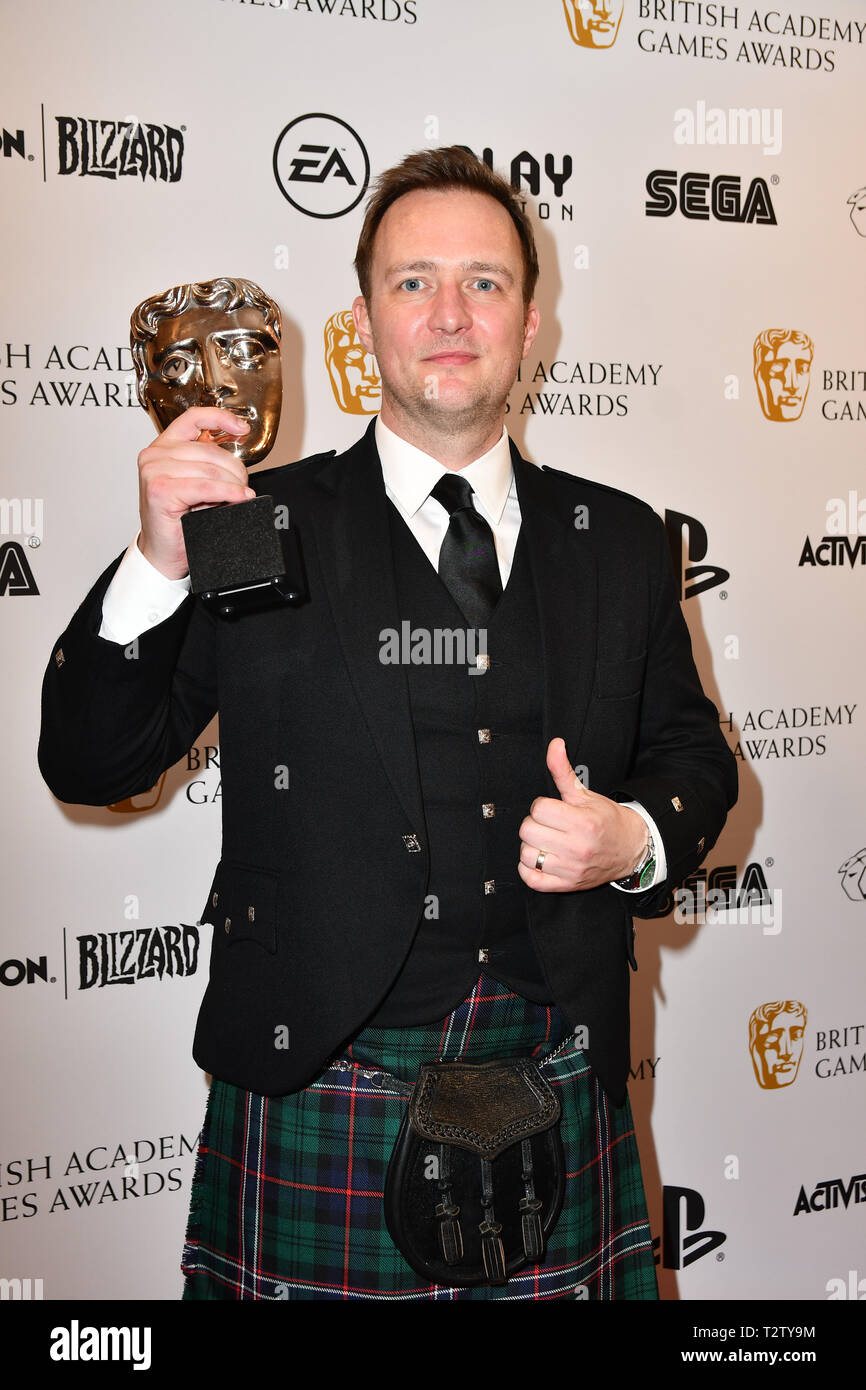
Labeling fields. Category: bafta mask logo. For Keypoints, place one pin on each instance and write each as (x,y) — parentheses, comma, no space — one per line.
(593,23)
(776,1042)
(783,364)
(355,382)
(215,342)
(857,203)
(142,801)
(853,873)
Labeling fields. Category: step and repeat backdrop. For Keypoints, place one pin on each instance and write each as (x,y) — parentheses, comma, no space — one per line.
(696,175)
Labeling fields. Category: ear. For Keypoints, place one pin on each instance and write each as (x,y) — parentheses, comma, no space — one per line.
(531,326)
(362,323)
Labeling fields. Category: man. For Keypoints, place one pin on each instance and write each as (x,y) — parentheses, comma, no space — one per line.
(434,882)
(776,1042)
(782,367)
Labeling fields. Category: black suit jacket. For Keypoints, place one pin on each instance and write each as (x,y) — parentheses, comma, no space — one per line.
(322,881)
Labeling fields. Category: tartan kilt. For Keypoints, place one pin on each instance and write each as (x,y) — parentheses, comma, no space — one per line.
(287,1194)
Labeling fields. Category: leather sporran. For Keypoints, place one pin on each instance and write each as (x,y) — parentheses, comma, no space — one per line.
(476,1179)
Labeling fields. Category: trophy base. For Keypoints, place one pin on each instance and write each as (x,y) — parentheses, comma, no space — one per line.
(240,561)
(250,598)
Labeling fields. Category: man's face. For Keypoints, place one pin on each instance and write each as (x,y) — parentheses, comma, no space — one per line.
(228,358)
(356,383)
(783,380)
(778,1050)
(593,23)
(445,317)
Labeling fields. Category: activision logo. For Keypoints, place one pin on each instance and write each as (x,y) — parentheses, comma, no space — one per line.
(844,539)
(832,1193)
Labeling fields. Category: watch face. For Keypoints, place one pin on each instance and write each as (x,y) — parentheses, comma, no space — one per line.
(645,876)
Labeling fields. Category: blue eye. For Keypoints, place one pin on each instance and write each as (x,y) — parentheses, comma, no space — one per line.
(412,283)
(485,284)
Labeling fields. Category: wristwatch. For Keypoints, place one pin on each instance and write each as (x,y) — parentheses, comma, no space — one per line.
(642,876)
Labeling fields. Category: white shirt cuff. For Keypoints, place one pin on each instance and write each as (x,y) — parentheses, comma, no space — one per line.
(139,598)
(661,870)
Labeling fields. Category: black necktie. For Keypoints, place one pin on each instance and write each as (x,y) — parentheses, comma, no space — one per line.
(467,561)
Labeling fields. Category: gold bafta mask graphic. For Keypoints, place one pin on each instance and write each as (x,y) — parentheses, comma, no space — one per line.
(593,23)
(355,382)
(776,1042)
(783,365)
(857,203)
(214,342)
(142,801)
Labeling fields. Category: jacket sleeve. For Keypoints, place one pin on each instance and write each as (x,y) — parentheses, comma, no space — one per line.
(684,773)
(115,717)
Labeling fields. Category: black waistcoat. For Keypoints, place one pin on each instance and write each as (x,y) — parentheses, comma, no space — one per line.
(481,763)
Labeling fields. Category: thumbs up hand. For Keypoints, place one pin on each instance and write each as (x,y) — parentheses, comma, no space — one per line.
(586,839)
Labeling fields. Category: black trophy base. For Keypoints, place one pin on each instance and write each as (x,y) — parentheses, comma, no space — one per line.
(240,560)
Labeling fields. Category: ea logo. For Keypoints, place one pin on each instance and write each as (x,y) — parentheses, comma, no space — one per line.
(321,165)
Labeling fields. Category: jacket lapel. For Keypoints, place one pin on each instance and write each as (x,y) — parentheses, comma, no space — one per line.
(354,544)
(565,577)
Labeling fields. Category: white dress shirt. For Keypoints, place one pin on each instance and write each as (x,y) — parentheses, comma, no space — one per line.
(139,597)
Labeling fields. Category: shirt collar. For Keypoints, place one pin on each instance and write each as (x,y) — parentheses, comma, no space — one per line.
(410,474)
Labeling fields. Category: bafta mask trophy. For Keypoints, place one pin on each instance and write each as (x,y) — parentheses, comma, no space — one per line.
(217,342)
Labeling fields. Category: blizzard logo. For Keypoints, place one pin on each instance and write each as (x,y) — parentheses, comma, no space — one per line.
(118,149)
(123,957)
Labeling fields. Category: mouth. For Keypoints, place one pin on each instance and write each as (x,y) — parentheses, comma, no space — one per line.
(453,358)
(243,412)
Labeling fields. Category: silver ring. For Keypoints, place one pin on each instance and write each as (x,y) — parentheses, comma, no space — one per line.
(539,862)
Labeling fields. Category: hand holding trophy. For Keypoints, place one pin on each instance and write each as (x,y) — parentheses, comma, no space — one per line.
(207,359)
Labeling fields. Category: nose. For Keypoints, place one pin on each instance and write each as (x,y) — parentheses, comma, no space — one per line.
(217,379)
(449,309)
(368,372)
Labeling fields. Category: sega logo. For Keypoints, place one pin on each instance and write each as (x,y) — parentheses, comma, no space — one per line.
(699,196)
